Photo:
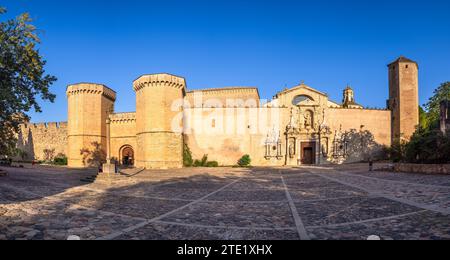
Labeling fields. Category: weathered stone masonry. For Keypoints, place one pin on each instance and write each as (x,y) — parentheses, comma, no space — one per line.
(33,139)
(299,126)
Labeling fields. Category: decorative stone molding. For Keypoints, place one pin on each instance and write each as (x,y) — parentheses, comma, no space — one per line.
(159,80)
(91,88)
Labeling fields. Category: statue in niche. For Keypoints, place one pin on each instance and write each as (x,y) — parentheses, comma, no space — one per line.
(308,120)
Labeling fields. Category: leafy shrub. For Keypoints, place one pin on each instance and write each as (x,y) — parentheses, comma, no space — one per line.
(245,161)
(197,163)
(205,163)
(212,164)
(60,159)
(187,157)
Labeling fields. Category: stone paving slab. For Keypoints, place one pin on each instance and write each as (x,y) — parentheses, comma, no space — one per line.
(10,196)
(172,193)
(161,231)
(423,226)
(152,189)
(347,210)
(131,206)
(431,196)
(48,220)
(438,180)
(247,184)
(39,188)
(252,195)
(236,214)
(325,193)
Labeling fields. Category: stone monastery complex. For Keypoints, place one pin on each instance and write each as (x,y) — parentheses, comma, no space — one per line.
(299,126)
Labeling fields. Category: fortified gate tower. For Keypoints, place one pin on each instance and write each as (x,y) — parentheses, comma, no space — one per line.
(159,137)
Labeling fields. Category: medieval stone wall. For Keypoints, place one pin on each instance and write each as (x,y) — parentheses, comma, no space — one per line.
(366,132)
(123,133)
(33,139)
(226,134)
(377,122)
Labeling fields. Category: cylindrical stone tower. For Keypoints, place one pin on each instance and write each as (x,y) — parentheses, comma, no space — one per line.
(89,105)
(159,110)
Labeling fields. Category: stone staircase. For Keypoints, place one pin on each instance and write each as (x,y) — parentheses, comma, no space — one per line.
(123,173)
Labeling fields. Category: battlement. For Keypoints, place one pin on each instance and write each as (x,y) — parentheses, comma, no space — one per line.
(153,80)
(226,91)
(123,118)
(91,88)
(50,125)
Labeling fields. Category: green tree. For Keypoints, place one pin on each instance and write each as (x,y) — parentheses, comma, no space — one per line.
(424,120)
(433,106)
(428,144)
(22,77)
(397,150)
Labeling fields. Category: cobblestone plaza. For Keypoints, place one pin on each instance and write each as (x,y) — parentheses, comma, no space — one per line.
(318,203)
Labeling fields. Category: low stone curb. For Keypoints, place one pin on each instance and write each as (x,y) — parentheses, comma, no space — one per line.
(423,168)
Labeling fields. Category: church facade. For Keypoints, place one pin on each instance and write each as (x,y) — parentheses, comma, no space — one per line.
(299,126)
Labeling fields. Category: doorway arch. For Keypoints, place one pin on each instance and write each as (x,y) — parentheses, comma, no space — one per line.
(126,153)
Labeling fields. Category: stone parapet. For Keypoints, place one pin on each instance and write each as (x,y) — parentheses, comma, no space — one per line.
(154,80)
(122,118)
(91,88)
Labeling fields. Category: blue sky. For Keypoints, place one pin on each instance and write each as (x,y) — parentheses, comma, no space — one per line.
(268,44)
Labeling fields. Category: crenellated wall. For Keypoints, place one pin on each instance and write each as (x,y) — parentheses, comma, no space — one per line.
(223,97)
(33,139)
(123,132)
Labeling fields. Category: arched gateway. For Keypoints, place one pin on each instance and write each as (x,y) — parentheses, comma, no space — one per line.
(127,155)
